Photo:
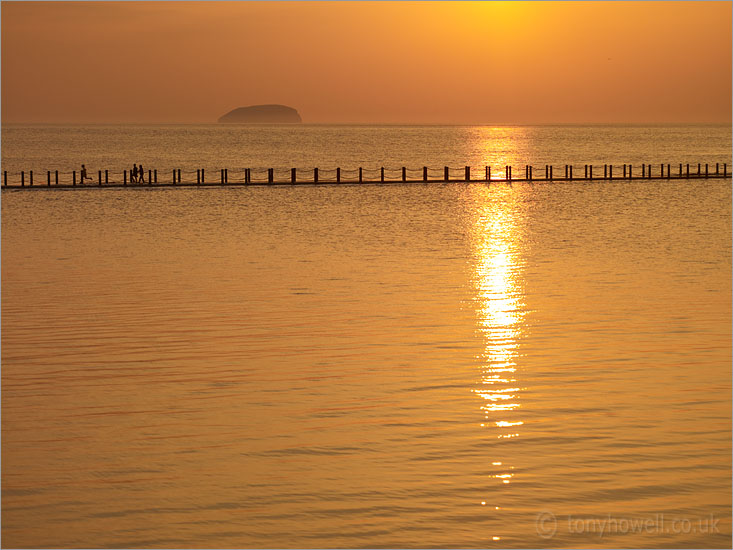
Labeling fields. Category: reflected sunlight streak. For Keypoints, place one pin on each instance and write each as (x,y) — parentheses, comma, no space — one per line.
(501,312)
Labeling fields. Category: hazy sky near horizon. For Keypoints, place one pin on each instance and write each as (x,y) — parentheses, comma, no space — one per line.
(421,62)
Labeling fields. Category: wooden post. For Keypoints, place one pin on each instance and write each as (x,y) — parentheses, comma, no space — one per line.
(725,170)
(468,173)
(643,170)
(174,177)
(688,171)
(57,176)
(179,175)
(680,170)
(73,175)
(338,175)
(706,170)
(661,170)
(590,171)
(506,172)
(270,175)
(221,175)
(99,177)
(630,174)
(566,171)
(698,168)
(404,174)
(605,172)
(381,176)
(226,175)
(293,176)
(315,175)
(198,175)
(488,173)
(510,173)
(624,171)
(716,168)
(530,171)
(446,174)
(610,171)
(124,177)
(586,171)
(5,178)
(48,178)
(550,172)
(526,172)
(361,175)
(425,173)
(22,178)
(669,172)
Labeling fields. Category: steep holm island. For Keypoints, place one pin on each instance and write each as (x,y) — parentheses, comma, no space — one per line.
(262,114)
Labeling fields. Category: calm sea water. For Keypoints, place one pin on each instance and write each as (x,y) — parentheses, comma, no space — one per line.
(235,147)
(443,365)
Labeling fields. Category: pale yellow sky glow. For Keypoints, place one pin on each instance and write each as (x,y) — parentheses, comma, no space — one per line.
(370,62)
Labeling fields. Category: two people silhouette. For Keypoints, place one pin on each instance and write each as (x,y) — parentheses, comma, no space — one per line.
(137,174)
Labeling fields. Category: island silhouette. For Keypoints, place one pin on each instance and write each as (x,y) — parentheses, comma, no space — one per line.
(262,114)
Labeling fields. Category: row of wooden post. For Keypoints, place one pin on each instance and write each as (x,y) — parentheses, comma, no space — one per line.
(646,172)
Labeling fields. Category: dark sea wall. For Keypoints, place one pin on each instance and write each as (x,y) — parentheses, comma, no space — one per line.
(263,114)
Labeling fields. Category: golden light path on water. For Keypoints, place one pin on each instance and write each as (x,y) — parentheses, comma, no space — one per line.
(501,316)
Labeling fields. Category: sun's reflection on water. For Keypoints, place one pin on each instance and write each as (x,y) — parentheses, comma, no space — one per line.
(498,280)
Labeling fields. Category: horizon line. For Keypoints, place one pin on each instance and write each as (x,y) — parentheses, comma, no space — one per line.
(347,123)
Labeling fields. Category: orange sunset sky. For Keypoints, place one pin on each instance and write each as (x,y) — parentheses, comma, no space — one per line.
(422,62)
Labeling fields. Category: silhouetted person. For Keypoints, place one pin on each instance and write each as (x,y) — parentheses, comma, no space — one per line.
(84,173)
(141,179)
(133,174)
